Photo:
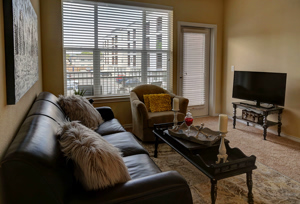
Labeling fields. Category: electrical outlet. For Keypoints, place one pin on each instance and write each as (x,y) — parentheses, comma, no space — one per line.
(232,68)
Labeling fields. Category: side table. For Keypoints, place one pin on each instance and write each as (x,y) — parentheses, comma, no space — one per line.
(260,110)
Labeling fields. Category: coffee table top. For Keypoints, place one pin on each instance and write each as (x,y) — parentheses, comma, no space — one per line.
(191,145)
(204,157)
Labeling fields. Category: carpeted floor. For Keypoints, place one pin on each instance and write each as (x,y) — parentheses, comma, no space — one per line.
(276,180)
(276,152)
(269,186)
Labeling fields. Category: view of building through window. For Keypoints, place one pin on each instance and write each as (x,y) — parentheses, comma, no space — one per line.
(109,49)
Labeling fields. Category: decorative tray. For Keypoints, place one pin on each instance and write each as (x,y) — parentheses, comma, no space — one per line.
(198,134)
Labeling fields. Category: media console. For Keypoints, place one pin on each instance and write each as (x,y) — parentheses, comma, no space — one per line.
(259,111)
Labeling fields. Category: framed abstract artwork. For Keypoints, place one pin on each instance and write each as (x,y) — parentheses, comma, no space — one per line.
(21,48)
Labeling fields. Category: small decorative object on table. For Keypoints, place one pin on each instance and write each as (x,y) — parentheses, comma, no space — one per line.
(223,123)
(188,121)
(175,110)
(198,134)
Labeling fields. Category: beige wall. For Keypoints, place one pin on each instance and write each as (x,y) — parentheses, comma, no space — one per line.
(11,116)
(264,35)
(199,11)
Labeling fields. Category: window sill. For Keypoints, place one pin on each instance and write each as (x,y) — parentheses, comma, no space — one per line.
(110,99)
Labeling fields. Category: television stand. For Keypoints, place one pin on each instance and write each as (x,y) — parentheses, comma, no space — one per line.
(264,112)
(257,105)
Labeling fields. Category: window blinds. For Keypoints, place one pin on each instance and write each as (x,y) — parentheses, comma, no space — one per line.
(195,83)
(110,48)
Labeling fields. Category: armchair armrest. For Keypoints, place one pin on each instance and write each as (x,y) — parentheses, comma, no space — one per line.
(165,187)
(106,113)
(139,110)
(183,103)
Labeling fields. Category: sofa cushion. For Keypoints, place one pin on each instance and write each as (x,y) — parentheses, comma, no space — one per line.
(110,127)
(126,142)
(163,117)
(79,108)
(98,163)
(140,165)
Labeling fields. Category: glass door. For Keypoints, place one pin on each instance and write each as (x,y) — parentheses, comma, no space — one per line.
(194,71)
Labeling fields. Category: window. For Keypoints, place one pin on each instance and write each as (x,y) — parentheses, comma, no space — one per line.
(147,43)
(98,32)
(147,28)
(158,60)
(134,60)
(128,35)
(159,24)
(134,44)
(159,42)
(134,34)
(148,60)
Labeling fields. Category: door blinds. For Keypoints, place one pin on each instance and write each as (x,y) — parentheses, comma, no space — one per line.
(195,64)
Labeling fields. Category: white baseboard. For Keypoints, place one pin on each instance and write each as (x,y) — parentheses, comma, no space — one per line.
(296,139)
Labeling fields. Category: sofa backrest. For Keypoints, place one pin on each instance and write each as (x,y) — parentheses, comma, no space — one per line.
(33,169)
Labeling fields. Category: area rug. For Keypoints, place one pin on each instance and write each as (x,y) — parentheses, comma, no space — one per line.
(276,152)
(269,186)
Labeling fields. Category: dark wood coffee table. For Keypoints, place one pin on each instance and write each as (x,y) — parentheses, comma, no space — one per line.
(204,158)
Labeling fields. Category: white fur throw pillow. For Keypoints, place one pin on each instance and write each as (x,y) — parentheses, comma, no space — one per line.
(98,163)
(79,108)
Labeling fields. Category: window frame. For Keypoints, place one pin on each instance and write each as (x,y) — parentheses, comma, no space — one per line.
(108,98)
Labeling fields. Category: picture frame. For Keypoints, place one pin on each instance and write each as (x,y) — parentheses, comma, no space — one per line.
(21,48)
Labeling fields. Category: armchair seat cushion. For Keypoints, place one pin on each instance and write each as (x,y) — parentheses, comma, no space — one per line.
(163,117)
(140,165)
(110,127)
(126,143)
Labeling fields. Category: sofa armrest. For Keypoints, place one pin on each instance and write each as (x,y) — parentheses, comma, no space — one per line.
(106,113)
(165,187)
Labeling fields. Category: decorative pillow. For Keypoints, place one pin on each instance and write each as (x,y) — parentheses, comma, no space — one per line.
(147,101)
(79,108)
(98,163)
(160,102)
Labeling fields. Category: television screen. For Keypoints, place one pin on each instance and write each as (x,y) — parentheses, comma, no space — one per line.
(265,87)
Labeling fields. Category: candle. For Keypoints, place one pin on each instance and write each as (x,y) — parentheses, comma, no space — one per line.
(176,104)
(223,122)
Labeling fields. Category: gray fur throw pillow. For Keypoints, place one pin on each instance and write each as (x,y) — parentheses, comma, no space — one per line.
(79,108)
(98,163)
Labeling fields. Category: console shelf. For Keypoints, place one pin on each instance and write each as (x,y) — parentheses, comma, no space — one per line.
(259,110)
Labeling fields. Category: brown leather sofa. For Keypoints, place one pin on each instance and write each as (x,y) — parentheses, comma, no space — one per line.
(142,120)
(34,169)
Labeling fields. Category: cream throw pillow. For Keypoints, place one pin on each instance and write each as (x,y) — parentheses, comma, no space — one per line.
(79,108)
(98,163)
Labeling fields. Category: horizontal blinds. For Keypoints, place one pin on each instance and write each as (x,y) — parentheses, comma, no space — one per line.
(194,67)
(116,47)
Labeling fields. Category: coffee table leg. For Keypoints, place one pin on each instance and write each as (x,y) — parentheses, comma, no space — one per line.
(250,184)
(213,192)
(156,146)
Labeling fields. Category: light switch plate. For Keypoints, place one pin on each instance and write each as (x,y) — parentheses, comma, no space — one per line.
(232,68)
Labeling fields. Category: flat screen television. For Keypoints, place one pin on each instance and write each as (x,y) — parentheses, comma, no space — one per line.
(262,87)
